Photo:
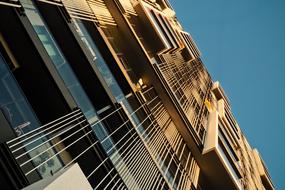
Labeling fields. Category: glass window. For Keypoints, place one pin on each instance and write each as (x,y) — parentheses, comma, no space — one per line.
(22,119)
(103,68)
(13,104)
(59,61)
(99,61)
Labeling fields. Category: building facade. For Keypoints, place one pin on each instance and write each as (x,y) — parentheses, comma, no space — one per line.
(112,94)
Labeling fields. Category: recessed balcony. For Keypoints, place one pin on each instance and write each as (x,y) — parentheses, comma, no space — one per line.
(220,161)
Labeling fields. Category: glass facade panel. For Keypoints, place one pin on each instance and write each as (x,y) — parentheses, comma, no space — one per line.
(59,60)
(98,60)
(13,104)
(103,68)
(22,119)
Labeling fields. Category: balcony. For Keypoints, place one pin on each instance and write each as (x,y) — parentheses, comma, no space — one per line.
(190,47)
(219,155)
(158,29)
(105,153)
(64,147)
(264,174)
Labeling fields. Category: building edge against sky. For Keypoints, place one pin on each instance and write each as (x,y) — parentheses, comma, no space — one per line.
(112,94)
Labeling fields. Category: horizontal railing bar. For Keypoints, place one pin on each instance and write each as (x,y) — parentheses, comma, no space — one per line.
(120,179)
(97,167)
(54,145)
(42,127)
(72,143)
(65,130)
(113,178)
(30,150)
(44,134)
(104,178)
(57,153)
(62,141)
(130,136)
(148,90)
(51,2)
(117,150)
(99,121)
(121,146)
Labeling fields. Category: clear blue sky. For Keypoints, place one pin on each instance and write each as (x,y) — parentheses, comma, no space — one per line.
(243,46)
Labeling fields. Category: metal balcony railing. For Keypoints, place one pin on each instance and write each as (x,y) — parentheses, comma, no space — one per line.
(57,145)
(112,152)
(38,145)
(12,3)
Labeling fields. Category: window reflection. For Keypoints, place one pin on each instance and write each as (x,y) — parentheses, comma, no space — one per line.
(59,61)
(102,66)
(13,104)
(22,119)
(98,60)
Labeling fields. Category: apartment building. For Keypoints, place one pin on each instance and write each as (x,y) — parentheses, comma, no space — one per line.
(112,94)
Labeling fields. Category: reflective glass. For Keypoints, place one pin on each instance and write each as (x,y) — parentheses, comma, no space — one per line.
(22,119)
(99,61)
(59,60)
(13,104)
